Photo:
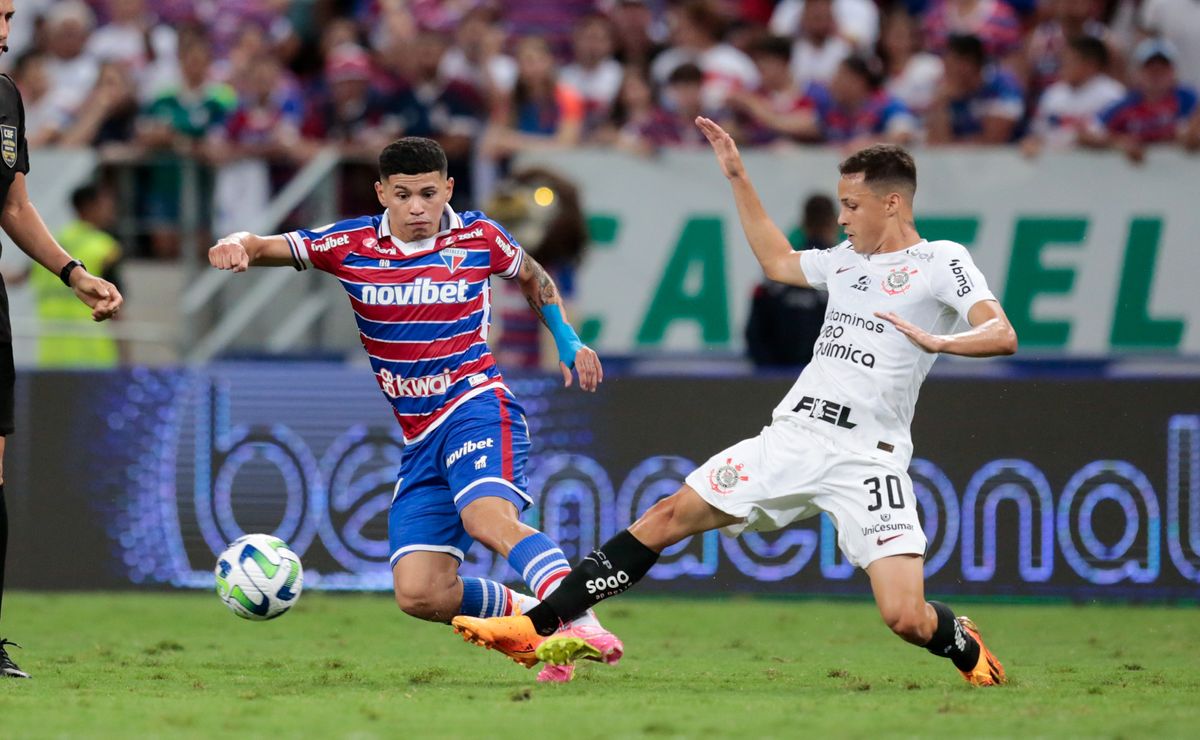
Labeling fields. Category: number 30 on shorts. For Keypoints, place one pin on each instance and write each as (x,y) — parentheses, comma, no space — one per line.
(895,494)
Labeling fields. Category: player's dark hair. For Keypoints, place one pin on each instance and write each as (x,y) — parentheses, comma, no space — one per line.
(777,47)
(412,155)
(686,74)
(1091,49)
(884,167)
(84,196)
(968,47)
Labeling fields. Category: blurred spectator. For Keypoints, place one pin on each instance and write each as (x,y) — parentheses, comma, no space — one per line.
(181,118)
(785,320)
(1157,110)
(1177,21)
(351,112)
(819,49)
(80,343)
(72,72)
(476,57)
(912,75)
(178,122)
(1043,58)
(992,21)
(594,73)
(543,112)
(225,20)
(264,128)
(858,111)
(779,108)
(110,117)
(552,22)
(450,112)
(544,213)
(1071,106)
(673,123)
(633,108)
(45,117)
(976,103)
(638,32)
(147,48)
(697,29)
(857,20)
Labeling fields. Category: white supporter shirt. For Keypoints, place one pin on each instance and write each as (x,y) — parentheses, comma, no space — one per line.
(1063,109)
(861,387)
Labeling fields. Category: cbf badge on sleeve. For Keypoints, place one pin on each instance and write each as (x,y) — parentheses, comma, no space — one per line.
(8,145)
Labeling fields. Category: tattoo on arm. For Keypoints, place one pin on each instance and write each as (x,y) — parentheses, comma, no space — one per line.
(544,292)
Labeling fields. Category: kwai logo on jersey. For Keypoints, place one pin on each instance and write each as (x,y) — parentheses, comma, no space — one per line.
(453,257)
(965,283)
(899,280)
(420,292)
(429,385)
(330,243)
(724,478)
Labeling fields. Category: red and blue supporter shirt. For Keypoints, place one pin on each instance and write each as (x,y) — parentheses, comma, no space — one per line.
(422,307)
(1150,121)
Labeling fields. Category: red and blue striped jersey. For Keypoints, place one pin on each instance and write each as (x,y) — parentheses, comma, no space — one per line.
(423,308)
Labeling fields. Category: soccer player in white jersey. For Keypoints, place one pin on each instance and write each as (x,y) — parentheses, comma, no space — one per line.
(418,279)
(839,442)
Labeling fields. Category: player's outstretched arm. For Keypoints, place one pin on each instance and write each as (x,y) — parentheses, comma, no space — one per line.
(242,249)
(544,299)
(24,225)
(990,335)
(779,262)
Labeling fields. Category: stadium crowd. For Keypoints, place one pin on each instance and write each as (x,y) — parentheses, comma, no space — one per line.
(226,81)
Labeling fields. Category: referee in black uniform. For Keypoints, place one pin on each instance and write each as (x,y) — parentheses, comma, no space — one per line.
(21,222)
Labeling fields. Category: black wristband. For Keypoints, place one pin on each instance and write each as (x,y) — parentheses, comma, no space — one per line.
(65,273)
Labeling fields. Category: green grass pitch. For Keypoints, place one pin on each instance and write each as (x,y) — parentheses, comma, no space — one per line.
(353,666)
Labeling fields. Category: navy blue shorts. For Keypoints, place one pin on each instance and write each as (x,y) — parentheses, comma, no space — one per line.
(479,450)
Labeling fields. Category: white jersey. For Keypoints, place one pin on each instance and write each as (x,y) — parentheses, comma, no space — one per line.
(861,386)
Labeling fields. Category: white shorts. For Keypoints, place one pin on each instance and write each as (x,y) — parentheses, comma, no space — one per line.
(790,472)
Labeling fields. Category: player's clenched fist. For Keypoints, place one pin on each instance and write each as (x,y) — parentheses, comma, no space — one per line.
(229,253)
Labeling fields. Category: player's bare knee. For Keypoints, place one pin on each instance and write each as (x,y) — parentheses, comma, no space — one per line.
(422,602)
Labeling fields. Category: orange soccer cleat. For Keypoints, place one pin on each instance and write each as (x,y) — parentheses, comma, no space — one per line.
(513,636)
(987,671)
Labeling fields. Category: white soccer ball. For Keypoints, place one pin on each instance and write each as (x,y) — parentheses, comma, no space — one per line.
(259,577)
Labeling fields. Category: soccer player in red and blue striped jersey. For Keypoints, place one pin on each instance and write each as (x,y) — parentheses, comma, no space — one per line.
(418,280)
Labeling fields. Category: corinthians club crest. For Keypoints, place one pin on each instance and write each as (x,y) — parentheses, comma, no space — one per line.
(724,478)
(8,145)
(899,280)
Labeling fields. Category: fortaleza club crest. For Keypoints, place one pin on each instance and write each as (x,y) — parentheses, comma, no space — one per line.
(453,257)
(898,280)
(724,478)
(8,145)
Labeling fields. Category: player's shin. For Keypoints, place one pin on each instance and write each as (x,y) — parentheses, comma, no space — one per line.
(951,641)
(613,569)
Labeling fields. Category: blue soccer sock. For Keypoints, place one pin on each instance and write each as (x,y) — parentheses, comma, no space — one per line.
(540,563)
(484,598)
